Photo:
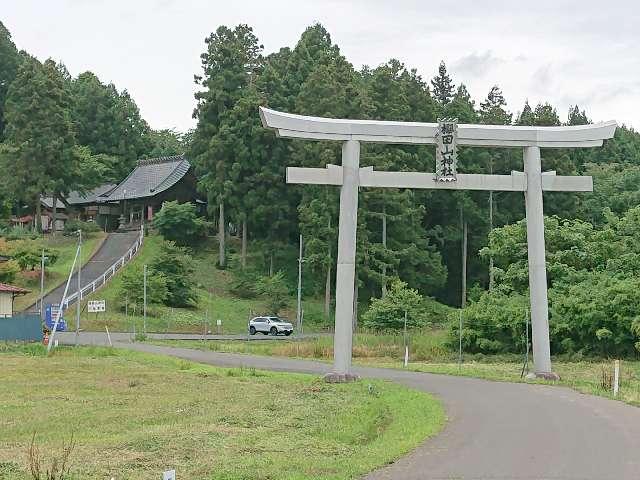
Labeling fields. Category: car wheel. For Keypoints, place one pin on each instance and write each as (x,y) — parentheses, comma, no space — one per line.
(274,331)
(252,330)
(287,333)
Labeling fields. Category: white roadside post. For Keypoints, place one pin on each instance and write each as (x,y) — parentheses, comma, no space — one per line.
(350,177)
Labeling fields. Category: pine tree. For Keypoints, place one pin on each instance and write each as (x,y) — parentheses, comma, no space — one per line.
(546,115)
(41,155)
(526,117)
(462,106)
(110,124)
(492,110)
(9,60)
(577,117)
(443,86)
(231,62)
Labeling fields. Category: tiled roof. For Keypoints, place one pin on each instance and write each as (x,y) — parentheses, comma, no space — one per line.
(91,196)
(48,202)
(149,178)
(4,287)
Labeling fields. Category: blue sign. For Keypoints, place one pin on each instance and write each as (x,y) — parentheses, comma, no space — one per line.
(50,314)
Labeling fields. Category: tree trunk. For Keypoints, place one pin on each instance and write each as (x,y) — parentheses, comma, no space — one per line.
(37,221)
(221,237)
(243,254)
(463,299)
(327,293)
(384,244)
(271,263)
(54,216)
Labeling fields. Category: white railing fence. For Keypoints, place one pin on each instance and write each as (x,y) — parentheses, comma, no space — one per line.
(110,272)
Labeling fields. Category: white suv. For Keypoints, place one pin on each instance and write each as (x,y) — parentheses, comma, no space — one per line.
(269,325)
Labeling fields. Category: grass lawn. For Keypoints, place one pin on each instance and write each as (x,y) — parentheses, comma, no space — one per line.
(429,354)
(214,302)
(57,273)
(134,415)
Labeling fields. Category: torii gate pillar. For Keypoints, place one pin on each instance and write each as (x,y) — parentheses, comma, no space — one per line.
(346,266)
(537,264)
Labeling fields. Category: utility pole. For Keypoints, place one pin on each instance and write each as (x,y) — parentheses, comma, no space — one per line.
(78,297)
(460,341)
(299,306)
(384,244)
(463,222)
(144,300)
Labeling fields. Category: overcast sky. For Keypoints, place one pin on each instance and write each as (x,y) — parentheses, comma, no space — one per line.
(564,52)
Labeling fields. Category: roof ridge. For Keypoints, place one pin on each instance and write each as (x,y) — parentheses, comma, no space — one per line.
(158,160)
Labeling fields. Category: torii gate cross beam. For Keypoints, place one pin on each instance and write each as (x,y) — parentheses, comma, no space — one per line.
(350,176)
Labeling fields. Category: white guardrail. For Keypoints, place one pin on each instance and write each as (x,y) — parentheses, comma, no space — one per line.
(110,272)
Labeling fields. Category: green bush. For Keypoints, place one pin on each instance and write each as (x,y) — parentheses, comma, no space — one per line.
(493,324)
(176,266)
(179,223)
(275,291)
(88,228)
(18,233)
(595,314)
(8,271)
(388,312)
(243,284)
(132,288)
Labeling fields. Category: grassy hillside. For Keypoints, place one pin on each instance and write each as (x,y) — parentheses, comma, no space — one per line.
(57,273)
(215,301)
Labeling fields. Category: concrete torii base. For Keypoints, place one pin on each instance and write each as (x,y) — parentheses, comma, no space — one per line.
(543,376)
(340,377)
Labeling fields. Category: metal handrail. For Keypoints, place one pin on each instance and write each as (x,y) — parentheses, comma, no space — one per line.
(108,273)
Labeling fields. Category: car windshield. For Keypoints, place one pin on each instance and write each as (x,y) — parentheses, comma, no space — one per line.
(276,319)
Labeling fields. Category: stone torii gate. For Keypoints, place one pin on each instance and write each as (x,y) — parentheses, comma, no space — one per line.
(350,176)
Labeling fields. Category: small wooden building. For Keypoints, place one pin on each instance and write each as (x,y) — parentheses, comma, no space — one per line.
(7,295)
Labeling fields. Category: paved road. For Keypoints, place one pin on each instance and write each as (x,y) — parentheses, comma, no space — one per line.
(113,248)
(99,338)
(496,430)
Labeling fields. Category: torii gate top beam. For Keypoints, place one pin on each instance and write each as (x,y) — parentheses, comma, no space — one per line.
(318,128)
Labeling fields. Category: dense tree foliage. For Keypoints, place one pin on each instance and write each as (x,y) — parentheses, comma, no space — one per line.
(40,153)
(9,61)
(416,236)
(176,265)
(132,292)
(179,223)
(84,131)
(593,276)
(109,123)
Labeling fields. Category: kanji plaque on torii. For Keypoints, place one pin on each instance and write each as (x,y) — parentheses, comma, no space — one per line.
(447,150)
(349,176)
